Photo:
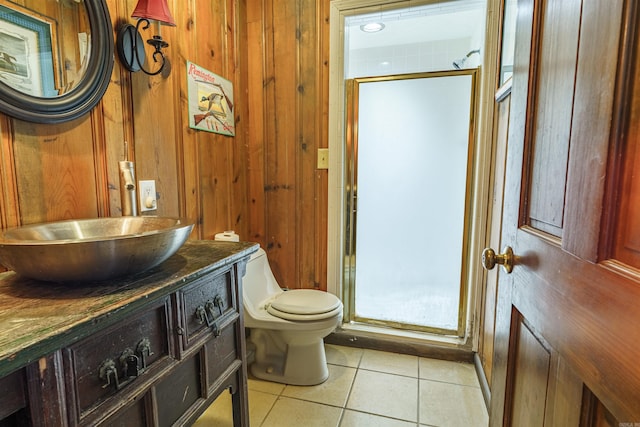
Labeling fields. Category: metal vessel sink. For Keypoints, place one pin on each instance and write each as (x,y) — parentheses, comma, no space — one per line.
(88,250)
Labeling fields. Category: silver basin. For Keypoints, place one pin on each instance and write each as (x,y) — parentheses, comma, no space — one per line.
(92,249)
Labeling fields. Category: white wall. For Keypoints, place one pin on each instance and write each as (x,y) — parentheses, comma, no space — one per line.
(411,58)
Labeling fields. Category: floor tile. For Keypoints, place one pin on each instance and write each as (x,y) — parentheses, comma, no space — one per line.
(343,356)
(220,413)
(296,413)
(447,371)
(385,394)
(365,388)
(360,419)
(451,405)
(265,386)
(391,363)
(334,391)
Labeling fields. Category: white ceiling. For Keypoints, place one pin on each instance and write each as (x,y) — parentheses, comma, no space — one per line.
(442,21)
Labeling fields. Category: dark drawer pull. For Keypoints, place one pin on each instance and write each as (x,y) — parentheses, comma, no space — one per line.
(207,314)
(132,364)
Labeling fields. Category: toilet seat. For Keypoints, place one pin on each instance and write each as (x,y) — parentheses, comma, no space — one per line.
(304,304)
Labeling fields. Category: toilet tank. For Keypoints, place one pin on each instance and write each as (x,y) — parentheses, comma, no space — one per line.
(258,283)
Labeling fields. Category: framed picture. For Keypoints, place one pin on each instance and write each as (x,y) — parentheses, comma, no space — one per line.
(28,51)
(210,101)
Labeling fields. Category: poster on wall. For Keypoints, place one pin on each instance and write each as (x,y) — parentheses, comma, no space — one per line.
(210,101)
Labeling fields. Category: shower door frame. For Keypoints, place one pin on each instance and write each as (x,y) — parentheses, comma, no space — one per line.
(350,201)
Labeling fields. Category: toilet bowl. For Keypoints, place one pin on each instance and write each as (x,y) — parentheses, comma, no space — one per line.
(287,328)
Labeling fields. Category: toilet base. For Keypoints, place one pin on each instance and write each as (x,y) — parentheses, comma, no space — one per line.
(296,364)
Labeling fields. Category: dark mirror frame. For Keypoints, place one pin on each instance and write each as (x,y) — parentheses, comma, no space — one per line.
(81,99)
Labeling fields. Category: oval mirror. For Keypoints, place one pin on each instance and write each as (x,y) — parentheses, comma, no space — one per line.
(56,58)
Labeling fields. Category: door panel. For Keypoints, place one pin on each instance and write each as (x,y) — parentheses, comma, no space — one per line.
(550,151)
(576,314)
(626,247)
(598,64)
(530,376)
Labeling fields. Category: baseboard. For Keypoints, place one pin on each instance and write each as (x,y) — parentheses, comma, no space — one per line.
(482,378)
(398,345)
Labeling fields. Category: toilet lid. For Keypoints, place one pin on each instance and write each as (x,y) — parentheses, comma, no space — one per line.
(305,304)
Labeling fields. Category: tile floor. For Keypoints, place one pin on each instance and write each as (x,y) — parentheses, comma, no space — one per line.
(366,388)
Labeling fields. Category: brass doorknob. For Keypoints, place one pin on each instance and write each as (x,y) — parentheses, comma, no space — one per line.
(505,259)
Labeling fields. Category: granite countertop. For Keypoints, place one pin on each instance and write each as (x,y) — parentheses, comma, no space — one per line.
(37,318)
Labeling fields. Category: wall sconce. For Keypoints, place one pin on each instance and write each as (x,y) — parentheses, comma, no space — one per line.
(129,42)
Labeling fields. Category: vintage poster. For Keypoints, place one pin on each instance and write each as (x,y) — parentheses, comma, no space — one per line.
(210,101)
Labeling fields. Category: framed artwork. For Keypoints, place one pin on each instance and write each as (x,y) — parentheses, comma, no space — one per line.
(28,50)
(210,101)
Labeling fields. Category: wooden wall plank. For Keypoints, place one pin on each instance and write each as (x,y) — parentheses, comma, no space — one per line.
(117,117)
(257,51)
(280,143)
(322,176)
(213,154)
(55,171)
(237,71)
(9,204)
(187,38)
(306,142)
(101,168)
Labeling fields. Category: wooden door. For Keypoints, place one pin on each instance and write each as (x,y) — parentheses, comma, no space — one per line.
(567,337)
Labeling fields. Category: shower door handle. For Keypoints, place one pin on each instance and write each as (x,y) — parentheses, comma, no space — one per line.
(505,259)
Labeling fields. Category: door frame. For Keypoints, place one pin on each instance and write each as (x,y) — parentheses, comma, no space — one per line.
(336,220)
(351,168)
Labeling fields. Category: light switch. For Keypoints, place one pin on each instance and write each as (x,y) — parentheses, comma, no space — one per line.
(323,158)
(148,198)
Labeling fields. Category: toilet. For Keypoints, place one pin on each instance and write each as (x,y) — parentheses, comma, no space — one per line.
(287,328)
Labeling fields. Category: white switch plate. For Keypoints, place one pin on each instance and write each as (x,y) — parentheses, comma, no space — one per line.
(148,198)
(323,158)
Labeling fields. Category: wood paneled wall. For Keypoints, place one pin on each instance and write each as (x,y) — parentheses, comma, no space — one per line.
(288,54)
(262,183)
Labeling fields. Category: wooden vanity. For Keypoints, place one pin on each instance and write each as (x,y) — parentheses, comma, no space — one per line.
(153,349)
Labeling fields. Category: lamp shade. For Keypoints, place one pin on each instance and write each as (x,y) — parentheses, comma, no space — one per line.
(158,10)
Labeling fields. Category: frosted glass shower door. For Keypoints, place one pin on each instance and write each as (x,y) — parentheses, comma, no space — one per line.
(410,174)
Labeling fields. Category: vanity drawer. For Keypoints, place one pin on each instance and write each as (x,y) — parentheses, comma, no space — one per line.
(117,361)
(205,307)
(221,353)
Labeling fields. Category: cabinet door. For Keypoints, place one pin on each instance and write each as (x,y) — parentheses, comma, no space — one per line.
(132,416)
(12,399)
(178,396)
(221,353)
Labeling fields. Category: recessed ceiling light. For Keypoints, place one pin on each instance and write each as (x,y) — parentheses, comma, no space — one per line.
(372,27)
